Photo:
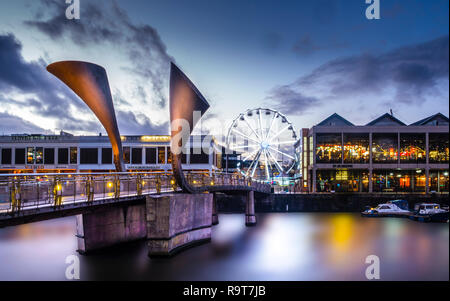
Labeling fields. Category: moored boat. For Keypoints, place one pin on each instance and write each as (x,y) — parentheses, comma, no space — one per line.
(430,212)
(395,208)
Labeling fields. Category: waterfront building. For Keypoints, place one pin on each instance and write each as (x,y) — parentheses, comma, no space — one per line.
(384,156)
(66,153)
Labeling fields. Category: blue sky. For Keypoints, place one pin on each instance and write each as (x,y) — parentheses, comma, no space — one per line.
(308,59)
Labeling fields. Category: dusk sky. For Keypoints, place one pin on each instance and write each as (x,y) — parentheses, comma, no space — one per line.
(308,59)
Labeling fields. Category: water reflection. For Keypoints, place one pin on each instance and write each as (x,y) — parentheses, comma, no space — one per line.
(283,246)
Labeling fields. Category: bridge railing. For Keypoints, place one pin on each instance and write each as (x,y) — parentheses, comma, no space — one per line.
(33,191)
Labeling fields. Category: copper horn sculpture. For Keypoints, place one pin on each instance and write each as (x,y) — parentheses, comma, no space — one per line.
(185,99)
(90,83)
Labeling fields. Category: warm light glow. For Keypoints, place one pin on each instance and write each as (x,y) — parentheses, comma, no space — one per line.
(110,184)
(155,138)
(58,187)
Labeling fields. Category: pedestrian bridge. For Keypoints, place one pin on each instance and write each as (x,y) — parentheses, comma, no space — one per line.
(25,195)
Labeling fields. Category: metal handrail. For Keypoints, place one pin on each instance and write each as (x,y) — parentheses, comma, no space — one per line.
(20,192)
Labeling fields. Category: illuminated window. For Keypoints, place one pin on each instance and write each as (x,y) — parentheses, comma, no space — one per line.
(439,180)
(126,155)
(328,148)
(356,148)
(30,155)
(169,156)
(420,180)
(384,148)
(161,155)
(392,180)
(39,155)
(438,148)
(342,180)
(412,148)
(73,155)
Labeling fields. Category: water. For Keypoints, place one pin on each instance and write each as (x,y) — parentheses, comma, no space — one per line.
(283,246)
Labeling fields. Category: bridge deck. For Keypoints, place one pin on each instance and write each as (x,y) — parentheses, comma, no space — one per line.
(30,197)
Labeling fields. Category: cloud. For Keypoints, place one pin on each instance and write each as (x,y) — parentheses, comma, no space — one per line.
(106,23)
(306,45)
(287,100)
(11,124)
(139,124)
(409,75)
(28,86)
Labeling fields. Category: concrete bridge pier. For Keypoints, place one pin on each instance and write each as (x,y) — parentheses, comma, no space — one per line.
(215,217)
(169,222)
(250,218)
(110,226)
(177,221)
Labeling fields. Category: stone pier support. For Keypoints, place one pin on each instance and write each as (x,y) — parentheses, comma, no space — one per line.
(176,221)
(110,226)
(215,217)
(250,218)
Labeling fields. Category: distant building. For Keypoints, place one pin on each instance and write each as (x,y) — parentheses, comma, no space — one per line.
(67,153)
(386,155)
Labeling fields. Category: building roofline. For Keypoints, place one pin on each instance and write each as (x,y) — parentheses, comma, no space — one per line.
(425,120)
(373,122)
(335,115)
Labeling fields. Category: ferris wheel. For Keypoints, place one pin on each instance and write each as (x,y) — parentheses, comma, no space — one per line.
(265,140)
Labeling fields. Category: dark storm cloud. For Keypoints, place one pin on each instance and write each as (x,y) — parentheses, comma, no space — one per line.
(46,96)
(290,101)
(411,72)
(11,124)
(105,22)
(139,124)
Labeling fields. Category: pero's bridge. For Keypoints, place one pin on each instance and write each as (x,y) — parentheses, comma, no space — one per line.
(171,210)
(30,197)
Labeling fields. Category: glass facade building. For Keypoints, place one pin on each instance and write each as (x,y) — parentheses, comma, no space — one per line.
(384,156)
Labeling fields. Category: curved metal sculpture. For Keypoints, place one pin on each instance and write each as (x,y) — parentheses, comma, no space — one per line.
(90,83)
(185,99)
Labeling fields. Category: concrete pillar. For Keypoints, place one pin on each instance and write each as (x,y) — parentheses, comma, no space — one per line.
(100,156)
(314,180)
(177,221)
(250,218)
(215,217)
(13,156)
(110,226)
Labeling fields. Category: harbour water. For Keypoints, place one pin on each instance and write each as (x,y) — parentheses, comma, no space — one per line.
(283,246)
